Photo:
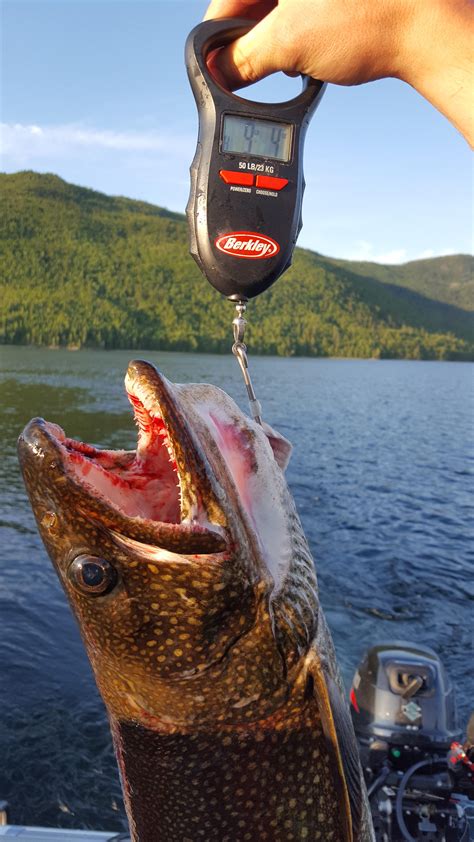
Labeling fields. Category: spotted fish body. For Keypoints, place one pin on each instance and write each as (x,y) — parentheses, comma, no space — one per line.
(189,574)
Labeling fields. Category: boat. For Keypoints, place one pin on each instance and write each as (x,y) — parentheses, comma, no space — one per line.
(22,833)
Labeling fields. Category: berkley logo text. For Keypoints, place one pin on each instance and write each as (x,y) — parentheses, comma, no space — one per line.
(247,244)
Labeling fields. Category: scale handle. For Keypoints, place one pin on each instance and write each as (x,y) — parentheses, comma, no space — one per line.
(212,34)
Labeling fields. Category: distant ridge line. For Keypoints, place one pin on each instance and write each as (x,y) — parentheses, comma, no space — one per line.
(83,268)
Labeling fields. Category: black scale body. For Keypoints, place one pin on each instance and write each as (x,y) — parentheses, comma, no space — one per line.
(244,208)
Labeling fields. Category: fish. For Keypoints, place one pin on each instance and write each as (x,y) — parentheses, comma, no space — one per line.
(189,574)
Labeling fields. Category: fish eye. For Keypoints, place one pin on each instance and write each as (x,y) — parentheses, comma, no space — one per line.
(92,575)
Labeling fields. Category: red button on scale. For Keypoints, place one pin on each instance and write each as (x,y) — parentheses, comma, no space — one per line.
(233,177)
(270,182)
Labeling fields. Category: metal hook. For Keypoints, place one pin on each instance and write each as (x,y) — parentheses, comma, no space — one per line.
(239,350)
(239,323)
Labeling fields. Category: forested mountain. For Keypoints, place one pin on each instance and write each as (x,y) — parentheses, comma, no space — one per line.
(449,278)
(82,268)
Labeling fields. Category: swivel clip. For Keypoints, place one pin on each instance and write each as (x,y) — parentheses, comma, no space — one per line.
(239,350)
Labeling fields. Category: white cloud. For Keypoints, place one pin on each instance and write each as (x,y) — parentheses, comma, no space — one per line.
(20,142)
(423,255)
(438,253)
(366,251)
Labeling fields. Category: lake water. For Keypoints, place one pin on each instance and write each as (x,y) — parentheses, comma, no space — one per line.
(382,476)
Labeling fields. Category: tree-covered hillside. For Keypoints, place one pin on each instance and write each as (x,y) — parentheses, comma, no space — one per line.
(82,268)
(449,278)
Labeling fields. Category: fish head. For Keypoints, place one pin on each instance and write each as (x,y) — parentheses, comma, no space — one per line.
(184,561)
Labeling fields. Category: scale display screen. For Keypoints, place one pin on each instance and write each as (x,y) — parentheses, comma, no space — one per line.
(260,138)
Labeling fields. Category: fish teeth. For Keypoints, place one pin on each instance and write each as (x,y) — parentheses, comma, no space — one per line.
(143,417)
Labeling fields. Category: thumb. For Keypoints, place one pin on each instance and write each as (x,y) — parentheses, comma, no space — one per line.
(251,57)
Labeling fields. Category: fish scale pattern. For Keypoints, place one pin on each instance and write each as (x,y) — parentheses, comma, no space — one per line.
(251,785)
(296,606)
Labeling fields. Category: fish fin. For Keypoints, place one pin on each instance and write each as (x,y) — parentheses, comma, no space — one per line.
(349,753)
(281,447)
(344,753)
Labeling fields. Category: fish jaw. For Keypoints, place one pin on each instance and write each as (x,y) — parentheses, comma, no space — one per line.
(58,475)
(155,402)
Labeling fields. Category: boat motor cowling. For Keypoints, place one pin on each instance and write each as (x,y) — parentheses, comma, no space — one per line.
(402,695)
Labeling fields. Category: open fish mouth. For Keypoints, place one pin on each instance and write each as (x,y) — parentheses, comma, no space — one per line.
(203,478)
(163,493)
(142,483)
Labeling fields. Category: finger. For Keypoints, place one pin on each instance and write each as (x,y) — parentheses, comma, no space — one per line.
(254,55)
(213,66)
(254,9)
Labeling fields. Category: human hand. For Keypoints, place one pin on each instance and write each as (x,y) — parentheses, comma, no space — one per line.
(424,42)
(341,41)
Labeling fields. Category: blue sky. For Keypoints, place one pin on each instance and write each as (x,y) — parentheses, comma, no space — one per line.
(96,91)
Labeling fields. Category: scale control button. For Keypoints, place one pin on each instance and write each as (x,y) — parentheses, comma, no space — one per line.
(270,182)
(233,177)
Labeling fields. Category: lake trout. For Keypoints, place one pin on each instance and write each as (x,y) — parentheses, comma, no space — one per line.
(187,569)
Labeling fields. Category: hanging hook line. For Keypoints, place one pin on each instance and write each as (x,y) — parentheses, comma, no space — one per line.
(239,350)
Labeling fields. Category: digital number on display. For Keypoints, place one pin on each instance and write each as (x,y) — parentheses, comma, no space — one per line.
(261,138)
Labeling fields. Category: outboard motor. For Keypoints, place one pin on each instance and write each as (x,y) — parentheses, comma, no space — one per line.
(404,714)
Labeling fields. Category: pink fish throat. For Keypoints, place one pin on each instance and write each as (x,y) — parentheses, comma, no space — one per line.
(142,484)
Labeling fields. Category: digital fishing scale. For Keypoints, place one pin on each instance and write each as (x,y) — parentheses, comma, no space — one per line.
(247,184)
